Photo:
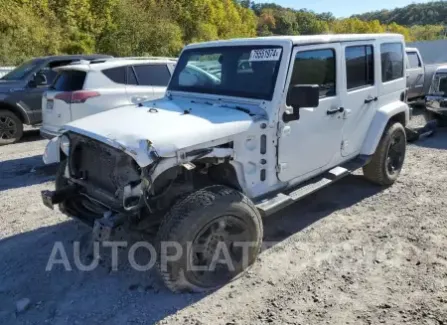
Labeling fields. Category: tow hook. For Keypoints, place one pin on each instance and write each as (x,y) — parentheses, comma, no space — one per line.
(103,228)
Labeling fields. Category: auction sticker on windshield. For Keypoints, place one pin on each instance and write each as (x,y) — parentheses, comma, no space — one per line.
(265,55)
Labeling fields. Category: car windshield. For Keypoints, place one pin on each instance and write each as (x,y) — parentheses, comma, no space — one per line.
(242,71)
(22,71)
(439,85)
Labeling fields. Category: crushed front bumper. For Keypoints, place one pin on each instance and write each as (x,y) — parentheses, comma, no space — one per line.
(102,228)
(50,198)
(436,104)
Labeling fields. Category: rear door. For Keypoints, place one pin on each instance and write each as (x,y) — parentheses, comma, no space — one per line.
(360,93)
(415,75)
(148,81)
(57,111)
(136,91)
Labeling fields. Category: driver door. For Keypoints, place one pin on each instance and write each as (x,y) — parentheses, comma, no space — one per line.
(311,142)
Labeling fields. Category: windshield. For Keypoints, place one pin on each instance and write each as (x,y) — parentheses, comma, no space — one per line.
(243,71)
(22,70)
(439,85)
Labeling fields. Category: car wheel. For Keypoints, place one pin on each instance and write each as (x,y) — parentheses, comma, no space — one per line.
(386,163)
(217,234)
(11,128)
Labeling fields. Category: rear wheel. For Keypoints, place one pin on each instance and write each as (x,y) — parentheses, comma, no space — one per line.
(387,161)
(11,128)
(217,233)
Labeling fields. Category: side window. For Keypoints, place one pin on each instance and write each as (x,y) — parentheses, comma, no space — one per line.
(316,67)
(153,75)
(413,60)
(392,57)
(69,80)
(48,71)
(359,66)
(131,78)
(117,75)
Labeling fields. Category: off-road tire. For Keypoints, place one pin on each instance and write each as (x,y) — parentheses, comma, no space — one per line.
(18,127)
(189,216)
(376,170)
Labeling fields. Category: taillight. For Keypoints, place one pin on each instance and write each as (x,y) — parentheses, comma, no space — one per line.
(76,97)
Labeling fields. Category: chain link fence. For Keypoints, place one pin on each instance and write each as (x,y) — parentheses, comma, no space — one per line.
(5,70)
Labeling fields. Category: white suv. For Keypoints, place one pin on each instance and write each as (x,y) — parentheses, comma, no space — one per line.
(85,88)
(282,118)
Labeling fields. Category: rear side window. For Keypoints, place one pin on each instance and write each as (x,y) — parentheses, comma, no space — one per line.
(316,67)
(359,66)
(153,75)
(117,75)
(413,60)
(392,61)
(69,80)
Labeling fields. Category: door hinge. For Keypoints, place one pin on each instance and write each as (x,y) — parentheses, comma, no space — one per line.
(284,131)
(281,167)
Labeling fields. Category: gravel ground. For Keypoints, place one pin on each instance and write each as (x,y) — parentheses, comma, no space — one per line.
(353,253)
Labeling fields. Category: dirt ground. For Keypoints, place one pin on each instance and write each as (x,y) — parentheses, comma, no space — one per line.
(353,253)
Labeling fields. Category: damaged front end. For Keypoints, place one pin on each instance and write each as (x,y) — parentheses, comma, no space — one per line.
(105,187)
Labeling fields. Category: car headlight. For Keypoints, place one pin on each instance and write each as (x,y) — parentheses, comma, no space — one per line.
(65,144)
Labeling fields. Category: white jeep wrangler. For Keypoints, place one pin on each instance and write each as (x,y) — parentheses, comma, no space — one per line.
(253,126)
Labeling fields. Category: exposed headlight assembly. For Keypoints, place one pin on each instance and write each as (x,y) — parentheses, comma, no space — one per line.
(64,144)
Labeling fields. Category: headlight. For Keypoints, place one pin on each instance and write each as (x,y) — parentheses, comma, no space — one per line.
(65,144)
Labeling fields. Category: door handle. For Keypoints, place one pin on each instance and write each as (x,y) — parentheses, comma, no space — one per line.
(139,99)
(335,110)
(371,99)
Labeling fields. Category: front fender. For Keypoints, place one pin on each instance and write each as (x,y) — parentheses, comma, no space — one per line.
(52,153)
(383,115)
(15,108)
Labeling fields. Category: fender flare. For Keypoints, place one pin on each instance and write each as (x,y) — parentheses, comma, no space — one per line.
(16,109)
(398,111)
(52,153)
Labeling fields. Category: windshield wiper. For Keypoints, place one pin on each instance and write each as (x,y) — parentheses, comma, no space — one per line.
(245,110)
(242,109)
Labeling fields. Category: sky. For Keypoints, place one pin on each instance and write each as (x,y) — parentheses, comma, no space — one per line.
(343,8)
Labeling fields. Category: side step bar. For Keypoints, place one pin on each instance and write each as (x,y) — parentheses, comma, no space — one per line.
(281,200)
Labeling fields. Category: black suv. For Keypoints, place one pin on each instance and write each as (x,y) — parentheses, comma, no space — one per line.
(21,93)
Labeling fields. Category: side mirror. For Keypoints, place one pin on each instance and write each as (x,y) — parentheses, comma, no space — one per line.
(39,80)
(300,96)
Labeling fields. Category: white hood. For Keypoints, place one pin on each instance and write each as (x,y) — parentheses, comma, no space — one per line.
(168,125)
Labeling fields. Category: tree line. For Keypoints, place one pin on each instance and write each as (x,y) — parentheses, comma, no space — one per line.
(30,28)
(434,12)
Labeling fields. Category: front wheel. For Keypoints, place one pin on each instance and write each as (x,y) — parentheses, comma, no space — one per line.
(207,239)
(386,164)
(11,128)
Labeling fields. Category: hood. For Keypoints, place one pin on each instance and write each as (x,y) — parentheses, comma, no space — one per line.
(167,126)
